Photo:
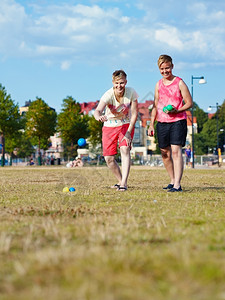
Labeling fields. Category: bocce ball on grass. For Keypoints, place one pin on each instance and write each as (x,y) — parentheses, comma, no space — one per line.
(66,189)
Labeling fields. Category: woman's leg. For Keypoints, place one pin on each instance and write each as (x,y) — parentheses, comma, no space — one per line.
(114,167)
(168,162)
(125,161)
(178,164)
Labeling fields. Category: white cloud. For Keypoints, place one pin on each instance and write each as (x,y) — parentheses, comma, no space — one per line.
(45,50)
(12,22)
(171,36)
(65,65)
(68,33)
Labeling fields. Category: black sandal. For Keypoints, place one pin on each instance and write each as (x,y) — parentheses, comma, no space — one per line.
(168,187)
(122,189)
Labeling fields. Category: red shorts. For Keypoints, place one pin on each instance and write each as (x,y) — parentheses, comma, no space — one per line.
(111,136)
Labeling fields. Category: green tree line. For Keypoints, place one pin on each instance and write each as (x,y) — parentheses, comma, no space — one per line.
(209,129)
(22,134)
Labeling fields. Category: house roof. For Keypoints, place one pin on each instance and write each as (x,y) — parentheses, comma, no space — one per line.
(189,118)
(86,107)
(210,116)
(144,113)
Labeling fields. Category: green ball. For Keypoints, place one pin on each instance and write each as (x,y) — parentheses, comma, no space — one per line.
(169,107)
(165,110)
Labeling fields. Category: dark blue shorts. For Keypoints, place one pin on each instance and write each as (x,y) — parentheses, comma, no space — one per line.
(172,133)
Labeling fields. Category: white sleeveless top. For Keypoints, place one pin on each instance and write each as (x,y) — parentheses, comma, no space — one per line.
(118,113)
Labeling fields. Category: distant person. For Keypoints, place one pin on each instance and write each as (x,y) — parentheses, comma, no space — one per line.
(172,125)
(75,163)
(188,155)
(52,160)
(69,164)
(78,162)
(120,105)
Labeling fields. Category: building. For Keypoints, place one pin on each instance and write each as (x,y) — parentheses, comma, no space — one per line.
(56,146)
(143,145)
(25,108)
(189,127)
(88,108)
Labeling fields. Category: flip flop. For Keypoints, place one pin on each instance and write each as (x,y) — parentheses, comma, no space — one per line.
(122,189)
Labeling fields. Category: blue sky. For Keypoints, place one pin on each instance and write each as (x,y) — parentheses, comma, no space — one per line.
(54,49)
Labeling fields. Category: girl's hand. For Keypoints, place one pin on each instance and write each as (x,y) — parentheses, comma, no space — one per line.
(173,111)
(151,131)
(127,138)
(170,109)
(102,118)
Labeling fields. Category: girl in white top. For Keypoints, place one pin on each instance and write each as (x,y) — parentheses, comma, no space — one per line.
(120,105)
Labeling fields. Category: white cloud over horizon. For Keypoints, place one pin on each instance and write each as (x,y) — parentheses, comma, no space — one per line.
(52,49)
(66,32)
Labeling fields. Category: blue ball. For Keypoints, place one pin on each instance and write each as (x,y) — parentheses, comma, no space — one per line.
(72,189)
(81,142)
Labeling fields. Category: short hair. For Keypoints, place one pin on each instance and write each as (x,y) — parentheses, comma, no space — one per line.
(119,74)
(164,58)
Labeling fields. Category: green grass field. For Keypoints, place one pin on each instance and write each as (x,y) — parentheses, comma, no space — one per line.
(100,244)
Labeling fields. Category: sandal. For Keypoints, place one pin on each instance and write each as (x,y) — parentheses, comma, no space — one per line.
(115,186)
(168,187)
(175,190)
(122,189)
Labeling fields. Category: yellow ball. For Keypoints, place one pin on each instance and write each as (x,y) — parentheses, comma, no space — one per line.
(66,189)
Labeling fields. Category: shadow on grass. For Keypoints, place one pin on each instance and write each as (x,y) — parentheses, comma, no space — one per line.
(213,188)
(185,189)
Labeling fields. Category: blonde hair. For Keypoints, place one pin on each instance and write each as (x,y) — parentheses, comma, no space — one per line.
(164,59)
(119,74)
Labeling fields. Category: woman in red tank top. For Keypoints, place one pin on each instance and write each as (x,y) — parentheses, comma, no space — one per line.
(172,124)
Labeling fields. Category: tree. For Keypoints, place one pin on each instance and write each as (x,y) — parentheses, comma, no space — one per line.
(207,138)
(207,129)
(9,119)
(95,137)
(24,146)
(95,129)
(72,124)
(40,124)
(202,117)
(221,116)
(11,145)
(201,146)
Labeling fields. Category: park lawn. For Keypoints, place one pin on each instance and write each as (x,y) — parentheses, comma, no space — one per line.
(100,244)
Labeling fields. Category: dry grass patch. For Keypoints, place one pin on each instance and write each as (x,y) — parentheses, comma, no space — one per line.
(97,243)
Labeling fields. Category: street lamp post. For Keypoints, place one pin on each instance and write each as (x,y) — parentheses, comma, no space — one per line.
(201,81)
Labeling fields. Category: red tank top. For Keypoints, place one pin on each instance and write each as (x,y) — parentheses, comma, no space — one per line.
(170,94)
